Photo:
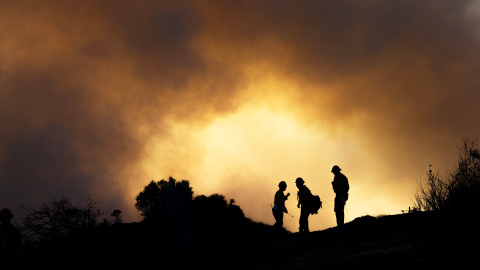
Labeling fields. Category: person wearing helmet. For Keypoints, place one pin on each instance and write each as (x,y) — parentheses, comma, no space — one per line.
(340,187)
(279,207)
(302,197)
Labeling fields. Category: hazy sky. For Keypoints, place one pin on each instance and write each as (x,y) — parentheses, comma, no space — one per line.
(101,97)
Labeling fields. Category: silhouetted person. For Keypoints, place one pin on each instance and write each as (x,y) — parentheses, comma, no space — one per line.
(10,240)
(302,197)
(279,207)
(341,188)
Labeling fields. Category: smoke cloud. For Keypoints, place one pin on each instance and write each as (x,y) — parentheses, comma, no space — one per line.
(99,98)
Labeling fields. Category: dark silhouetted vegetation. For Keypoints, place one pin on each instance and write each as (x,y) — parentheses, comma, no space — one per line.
(178,229)
(183,231)
(117,215)
(57,219)
(162,199)
(458,191)
(184,219)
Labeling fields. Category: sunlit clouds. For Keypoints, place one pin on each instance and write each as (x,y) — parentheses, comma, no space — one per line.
(100,98)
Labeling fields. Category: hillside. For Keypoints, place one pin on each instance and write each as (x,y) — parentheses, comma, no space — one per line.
(408,241)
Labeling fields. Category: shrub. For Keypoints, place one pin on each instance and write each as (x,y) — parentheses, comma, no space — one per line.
(460,189)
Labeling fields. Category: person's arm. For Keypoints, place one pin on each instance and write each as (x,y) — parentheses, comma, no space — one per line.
(298,199)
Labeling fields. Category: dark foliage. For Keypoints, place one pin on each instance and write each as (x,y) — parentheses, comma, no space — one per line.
(464,188)
(177,230)
(117,215)
(185,220)
(56,219)
(214,218)
(459,191)
(162,199)
(433,195)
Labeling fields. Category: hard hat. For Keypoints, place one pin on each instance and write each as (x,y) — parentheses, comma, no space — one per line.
(282,183)
(336,169)
(299,180)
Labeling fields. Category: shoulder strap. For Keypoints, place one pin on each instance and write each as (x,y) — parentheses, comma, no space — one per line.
(308,191)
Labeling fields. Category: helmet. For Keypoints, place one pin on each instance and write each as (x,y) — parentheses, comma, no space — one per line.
(336,169)
(299,180)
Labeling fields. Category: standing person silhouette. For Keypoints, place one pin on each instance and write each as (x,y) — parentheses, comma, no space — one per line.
(279,207)
(10,240)
(340,187)
(305,210)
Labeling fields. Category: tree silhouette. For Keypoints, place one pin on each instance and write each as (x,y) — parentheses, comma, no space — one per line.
(163,199)
(148,200)
(182,219)
(215,208)
(464,186)
(433,195)
(117,215)
(56,219)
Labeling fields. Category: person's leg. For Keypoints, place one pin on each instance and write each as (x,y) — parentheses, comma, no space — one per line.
(340,218)
(339,207)
(278,218)
(304,220)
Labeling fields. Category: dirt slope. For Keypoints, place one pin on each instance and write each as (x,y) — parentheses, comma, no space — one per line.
(408,241)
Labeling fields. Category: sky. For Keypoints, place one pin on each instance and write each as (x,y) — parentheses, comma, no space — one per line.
(98,98)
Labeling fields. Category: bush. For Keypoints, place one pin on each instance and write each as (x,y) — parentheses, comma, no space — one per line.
(460,189)
(57,219)
(433,195)
(161,200)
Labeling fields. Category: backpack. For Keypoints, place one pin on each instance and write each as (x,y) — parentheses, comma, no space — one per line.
(312,201)
(315,204)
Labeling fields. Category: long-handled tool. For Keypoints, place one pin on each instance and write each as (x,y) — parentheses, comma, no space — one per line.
(276,209)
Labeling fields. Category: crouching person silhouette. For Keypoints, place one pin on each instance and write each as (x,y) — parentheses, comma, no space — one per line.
(279,207)
(340,187)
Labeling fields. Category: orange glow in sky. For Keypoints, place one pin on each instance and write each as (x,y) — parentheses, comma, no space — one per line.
(100,98)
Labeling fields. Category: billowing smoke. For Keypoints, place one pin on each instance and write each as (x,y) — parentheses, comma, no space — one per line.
(99,98)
